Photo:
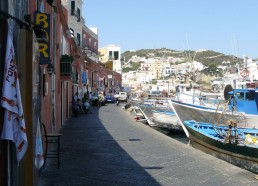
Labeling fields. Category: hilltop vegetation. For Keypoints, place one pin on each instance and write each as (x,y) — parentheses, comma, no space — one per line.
(207,57)
(133,67)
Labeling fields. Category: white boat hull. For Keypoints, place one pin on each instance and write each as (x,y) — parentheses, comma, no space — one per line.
(188,112)
(166,120)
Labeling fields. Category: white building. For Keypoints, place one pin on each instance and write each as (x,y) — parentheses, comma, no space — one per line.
(111,56)
(75,19)
(145,77)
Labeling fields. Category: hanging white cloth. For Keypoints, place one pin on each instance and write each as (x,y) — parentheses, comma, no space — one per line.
(14,125)
(39,159)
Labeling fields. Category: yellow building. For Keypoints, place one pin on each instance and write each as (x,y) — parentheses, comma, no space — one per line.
(110,56)
(157,69)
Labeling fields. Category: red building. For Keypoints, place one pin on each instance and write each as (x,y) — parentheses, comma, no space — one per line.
(52,67)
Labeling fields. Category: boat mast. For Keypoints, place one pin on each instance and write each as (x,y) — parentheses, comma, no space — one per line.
(191,60)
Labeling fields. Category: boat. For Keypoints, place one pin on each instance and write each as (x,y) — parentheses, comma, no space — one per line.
(228,131)
(236,145)
(158,112)
(196,96)
(241,103)
(141,115)
(145,109)
(166,119)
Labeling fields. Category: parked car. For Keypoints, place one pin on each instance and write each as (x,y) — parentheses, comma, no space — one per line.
(122,96)
(110,98)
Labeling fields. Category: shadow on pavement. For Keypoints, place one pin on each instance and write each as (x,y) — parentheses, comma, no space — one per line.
(91,156)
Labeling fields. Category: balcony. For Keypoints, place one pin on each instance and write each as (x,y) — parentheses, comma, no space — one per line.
(111,58)
(66,65)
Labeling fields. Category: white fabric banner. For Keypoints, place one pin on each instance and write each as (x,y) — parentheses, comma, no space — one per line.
(14,125)
(39,159)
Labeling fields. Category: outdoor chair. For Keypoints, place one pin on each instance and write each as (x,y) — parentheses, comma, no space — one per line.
(52,138)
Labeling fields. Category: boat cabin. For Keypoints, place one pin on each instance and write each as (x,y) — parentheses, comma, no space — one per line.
(245,100)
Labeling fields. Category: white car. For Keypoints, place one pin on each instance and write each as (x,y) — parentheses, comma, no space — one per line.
(122,96)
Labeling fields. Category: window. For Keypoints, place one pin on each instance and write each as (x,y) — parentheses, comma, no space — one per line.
(240,95)
(72,7)
(84,41)
(250,95)
(116,55)
(79,39)
(92,79)
(78,15)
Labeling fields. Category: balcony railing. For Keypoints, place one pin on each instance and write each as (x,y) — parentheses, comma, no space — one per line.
(110,58)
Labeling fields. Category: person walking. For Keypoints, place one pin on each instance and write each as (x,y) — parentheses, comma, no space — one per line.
(90,98)
(75,97)
(84,99)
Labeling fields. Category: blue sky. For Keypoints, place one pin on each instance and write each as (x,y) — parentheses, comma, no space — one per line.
(226,26)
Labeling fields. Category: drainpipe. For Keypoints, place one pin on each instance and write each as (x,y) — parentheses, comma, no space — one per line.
(54,75)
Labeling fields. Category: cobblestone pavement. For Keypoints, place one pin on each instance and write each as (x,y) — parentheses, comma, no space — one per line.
(109,148)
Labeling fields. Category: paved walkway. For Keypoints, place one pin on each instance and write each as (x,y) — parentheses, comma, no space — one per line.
(109,148)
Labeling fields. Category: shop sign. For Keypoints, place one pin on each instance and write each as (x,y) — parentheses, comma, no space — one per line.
(44,45)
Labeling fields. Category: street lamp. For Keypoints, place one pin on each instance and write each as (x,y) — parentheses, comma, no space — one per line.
(50,69)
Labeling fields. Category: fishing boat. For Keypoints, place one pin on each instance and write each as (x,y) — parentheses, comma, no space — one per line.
(234,144)
(166,119)
(145,108)
(236,102)
(142,115)
(160,113)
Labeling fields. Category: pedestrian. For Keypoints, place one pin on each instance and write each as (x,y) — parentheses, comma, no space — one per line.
(86,106)
(75,97)
(84,99)
(90,98)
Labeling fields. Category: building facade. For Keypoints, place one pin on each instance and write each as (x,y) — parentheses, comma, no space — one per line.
(54,62)
(111,56)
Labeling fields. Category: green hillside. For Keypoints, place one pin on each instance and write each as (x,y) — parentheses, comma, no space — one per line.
(206,57)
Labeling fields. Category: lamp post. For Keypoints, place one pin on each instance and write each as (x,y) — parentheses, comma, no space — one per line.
(50,69)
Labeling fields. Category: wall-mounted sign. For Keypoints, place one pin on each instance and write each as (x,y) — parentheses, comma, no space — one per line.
(84,78)
(43,20)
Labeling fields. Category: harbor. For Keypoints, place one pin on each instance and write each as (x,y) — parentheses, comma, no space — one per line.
(108,147)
